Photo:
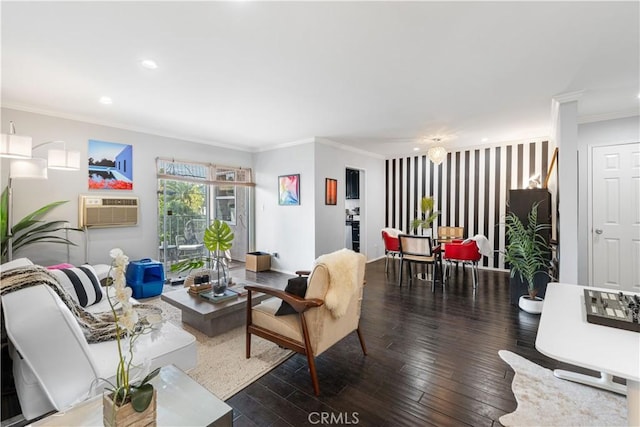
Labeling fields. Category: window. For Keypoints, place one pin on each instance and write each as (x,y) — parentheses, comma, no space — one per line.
(191,195)
(225,208)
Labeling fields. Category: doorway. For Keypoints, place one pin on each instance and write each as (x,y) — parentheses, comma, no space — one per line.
(615,217)
(354,203)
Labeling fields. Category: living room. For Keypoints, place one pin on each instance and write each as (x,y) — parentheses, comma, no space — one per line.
(230,127)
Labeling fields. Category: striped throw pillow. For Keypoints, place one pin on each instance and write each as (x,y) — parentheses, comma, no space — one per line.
(81,283)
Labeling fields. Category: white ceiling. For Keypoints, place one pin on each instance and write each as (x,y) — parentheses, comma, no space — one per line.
(378,76)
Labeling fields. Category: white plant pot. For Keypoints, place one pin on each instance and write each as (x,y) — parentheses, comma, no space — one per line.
(533,306)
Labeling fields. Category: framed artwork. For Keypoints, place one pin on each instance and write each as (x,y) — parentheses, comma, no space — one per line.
(110,166)
(289,190)
(330,191)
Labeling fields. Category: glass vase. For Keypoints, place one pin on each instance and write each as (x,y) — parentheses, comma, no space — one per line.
(219,276)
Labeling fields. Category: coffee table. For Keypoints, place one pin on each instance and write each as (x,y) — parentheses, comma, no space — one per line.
(212,318)
(181,402)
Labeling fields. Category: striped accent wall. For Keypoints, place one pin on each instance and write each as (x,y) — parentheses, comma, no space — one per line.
(470,188)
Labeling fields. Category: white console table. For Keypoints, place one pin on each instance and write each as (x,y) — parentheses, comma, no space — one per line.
(564,334)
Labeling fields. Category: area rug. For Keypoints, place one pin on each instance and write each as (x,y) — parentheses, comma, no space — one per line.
(544,400)
(222,367)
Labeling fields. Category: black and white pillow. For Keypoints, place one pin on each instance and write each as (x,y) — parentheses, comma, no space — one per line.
(81,283)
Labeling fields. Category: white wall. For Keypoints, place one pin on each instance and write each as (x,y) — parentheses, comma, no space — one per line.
(609,132)
(138,242)
(299,234)
(330,162)
(287,230)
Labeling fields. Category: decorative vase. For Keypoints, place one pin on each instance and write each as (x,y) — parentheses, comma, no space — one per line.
(124,415)
(533,306)
(219,277)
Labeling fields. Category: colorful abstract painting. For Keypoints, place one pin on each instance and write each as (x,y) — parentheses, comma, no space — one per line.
(110,166)
(289,190)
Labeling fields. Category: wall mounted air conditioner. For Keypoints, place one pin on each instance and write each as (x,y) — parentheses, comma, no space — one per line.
(106,211)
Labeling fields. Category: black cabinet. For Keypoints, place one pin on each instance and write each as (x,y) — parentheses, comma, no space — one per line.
(355,236)
(353,184)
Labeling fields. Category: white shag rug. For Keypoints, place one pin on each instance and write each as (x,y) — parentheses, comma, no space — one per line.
(222,367)
(544,400)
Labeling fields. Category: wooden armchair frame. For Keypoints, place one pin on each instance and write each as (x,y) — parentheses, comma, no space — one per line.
(301,306)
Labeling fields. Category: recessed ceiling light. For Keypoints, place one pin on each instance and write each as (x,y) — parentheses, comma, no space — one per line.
(416,148)
(105,100)
(485,139)
(149,64)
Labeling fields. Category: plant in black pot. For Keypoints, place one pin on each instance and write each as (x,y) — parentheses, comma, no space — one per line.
(528,254)
(218,238)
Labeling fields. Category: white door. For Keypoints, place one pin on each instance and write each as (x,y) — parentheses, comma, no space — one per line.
(615,207)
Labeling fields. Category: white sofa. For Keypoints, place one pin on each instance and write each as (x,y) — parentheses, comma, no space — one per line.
(54,366)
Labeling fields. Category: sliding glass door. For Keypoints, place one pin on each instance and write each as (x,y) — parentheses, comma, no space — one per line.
(190,197)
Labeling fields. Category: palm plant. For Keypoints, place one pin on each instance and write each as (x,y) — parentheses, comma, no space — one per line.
(30,229)
(427,214)
(526,250)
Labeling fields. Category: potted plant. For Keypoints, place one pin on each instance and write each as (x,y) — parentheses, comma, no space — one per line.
(426,217)
(528,254)
(30,229)
(218,238)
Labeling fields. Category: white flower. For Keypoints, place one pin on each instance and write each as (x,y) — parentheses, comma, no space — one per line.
(123,294)
(128,320)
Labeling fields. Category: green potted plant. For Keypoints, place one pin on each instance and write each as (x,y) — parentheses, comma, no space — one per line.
(30,229)
(218,238)
(528,254)
(426,216)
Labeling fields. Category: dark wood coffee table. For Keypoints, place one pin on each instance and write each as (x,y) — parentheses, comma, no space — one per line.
(212,318)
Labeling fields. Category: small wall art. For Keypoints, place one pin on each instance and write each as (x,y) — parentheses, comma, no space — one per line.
(110,166)
(330,191)
(289,190)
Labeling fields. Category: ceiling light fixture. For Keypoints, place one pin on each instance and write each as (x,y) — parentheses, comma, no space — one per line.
(485,139)
(437,152)
(105,100)
(149,64)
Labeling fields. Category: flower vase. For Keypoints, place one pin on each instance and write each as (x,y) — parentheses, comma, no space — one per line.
(124,415)
(219,277)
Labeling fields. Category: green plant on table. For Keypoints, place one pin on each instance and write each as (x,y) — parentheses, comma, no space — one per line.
(218,238)
(526,249)
(426,215)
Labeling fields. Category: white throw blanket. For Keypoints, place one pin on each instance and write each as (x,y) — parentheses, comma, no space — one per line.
(484,246)
(343,279)
(393,232)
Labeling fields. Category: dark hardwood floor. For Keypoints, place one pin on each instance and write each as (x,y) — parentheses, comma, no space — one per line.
(432,360)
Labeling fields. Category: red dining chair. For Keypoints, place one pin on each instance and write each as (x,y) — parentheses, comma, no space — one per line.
(465,252)
(391,245)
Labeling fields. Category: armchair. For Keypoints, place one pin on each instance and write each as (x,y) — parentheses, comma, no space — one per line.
(317,324)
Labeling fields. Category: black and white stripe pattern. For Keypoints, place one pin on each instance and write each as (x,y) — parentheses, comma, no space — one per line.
(81,283)
(470,188)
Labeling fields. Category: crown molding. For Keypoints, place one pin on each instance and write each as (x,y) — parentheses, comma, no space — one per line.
(609,116)
(332,143)
(149,131)
(568,96)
